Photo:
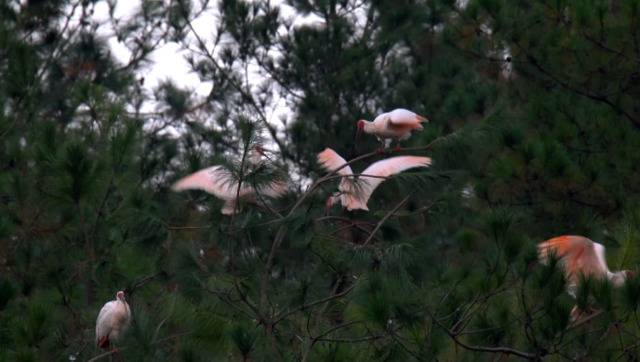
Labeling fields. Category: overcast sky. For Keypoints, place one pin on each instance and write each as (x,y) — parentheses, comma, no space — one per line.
(168,61)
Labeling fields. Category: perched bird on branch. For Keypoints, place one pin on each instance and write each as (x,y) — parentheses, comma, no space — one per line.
(113,320)
(396,124)
(355,191)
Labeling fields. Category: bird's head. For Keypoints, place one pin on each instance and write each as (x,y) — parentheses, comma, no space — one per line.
(257,154)
(359,129)
(120,295)
(259,150)
(331,200)
(619,278)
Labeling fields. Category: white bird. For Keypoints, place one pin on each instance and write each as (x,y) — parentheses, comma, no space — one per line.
(355,192)
(396,124)
(219,181)
(580,256)
(113,321)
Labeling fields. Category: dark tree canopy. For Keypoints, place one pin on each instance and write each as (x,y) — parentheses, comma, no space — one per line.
(534,132)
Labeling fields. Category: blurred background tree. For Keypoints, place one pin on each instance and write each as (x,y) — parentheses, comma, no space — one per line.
(533,132)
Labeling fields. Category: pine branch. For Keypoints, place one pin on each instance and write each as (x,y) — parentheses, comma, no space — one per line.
(506,350)
(240,180)
(245,94)
(384,219)
(314,303)
(352,340)
(335,328)
(396,338)
(224,297)
(585,93)
(246,300)
(61,44)
(188,227)
(117,350)
(144,281)
(267,269)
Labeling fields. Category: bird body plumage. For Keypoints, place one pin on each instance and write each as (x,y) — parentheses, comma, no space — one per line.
(113,320)
(396,124)
(579,256)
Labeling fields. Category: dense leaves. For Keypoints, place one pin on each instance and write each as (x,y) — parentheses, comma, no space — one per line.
(533,132)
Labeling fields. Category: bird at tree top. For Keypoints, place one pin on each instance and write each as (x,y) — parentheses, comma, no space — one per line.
(395,125)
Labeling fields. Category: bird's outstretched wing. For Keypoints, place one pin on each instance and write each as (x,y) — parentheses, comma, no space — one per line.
(219,181)
(273,189)
(330,160)
(377,172)
(215,180)
(577,254)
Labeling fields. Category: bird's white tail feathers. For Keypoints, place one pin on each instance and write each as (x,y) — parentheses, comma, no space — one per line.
(352,202)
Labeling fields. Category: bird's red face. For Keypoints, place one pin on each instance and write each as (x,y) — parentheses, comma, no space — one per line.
(329,204)
(629,274)
(359,128)
(120,295)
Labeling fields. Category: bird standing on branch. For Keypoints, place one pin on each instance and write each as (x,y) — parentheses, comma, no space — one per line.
(396,124)
(113,320)
(356,191)
(221,182)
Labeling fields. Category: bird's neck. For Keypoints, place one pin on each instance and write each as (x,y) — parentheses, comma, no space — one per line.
(255,158)
(367,126)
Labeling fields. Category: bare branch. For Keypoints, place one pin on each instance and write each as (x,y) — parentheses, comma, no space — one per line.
(311,304)
(384,219)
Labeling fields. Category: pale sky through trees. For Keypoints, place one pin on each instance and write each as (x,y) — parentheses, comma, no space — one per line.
(168,61)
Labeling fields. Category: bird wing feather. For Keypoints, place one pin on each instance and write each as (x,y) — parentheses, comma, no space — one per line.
(274,189)
(602,260)
(330,160)
(104,322)
(377,172)
(405,118)
(218,181)
(215,180)
(578,255)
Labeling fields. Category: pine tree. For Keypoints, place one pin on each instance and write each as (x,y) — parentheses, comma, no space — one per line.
(532,132)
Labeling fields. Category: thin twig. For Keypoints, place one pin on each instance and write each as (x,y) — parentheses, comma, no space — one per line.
(382,221)
(506,350)
(311,304)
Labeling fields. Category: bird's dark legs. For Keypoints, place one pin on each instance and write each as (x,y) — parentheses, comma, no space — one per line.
(380,150)
(578,316)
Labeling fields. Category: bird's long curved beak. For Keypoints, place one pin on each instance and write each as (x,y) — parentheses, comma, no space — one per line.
(357,137)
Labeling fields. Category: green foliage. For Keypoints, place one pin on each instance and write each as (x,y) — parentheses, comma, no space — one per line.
(533,133)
